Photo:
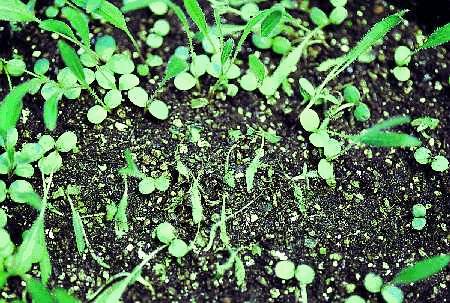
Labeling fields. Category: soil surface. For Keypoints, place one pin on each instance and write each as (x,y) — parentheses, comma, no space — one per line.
(364,222)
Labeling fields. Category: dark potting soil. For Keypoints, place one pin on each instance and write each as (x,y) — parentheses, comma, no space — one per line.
(364,222)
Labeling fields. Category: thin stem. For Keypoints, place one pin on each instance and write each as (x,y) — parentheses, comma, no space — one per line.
(304,293)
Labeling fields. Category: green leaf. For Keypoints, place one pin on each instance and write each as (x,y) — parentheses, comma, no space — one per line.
(257,67)
(196,13)
(252,169)
(113,15)
(131,169)
(72,61)
(115,291)
(227,50)
(390,123)
(31,245)
(62,296)
(270,22)
(45,265)
(38,292)
(15,11)
(175,66)
(239,271)
(78,230)
(196,202)
(59,27)
(11,107)
(79,22)
(130,6)
(377,32)
(387,139)
(51,111)
(422,269)
(440,36)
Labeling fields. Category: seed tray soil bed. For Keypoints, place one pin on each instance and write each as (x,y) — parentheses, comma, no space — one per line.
(364,222)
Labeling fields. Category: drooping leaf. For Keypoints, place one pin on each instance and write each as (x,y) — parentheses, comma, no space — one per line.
(271,22)
(51,111)
(15,11)
(196,13)
(422,269)
(11,107)
(440,36)
(79,22)
(257,67)
(72,61)
(59,27)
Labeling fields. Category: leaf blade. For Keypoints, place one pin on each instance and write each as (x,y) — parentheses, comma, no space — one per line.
(440,36)
(422,269)
(195,11)
(79,23)
(15,11)
(11,107)
(72,61)
(51,111)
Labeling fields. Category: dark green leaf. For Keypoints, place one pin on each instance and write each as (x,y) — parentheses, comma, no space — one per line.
(51,111)
(270,23)
(11,107)
(45,266)
(390,123)
(15,11)
(79,22)
(39,293)
(422,269)
(58,27)
(72,61)
(440,36)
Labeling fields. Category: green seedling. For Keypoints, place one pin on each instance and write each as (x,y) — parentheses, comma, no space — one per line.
(424,156)
(391,291)
(419,221)
(303,273)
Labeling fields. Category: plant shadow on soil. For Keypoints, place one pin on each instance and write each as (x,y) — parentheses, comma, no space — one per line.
(366,218)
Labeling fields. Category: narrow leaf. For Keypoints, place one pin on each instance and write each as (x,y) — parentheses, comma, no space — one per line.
(196,202)
(135,5)
(62,296)
(227,50)
(72,61)
(440,36)
(196,13)
(422,269)
(51,111)
(79,22)
(59,27)
(390,123)
(114,292)
(78,230)
(11,107)
(15,11)
(387,139)
(270,22)
(45,266)
(257,67)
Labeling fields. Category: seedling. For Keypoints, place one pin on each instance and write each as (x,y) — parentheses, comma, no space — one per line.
(303,273)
